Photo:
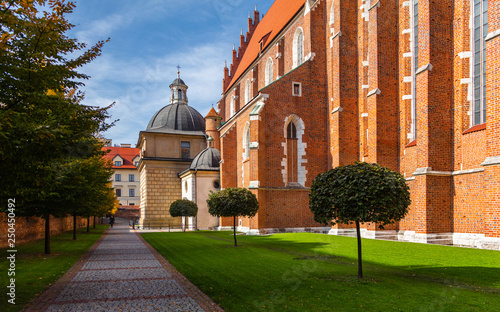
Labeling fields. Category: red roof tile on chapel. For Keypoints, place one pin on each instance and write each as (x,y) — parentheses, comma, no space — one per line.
(126,153)
(278,16)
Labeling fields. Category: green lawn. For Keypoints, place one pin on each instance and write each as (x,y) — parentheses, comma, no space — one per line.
(313,272)
(35,271)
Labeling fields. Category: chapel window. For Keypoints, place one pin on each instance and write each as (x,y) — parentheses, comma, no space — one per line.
(185,150)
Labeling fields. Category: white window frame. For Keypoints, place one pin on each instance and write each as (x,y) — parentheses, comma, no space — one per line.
(298,47)
(118,177)
(131,192)
(118,163)
(269,75)
(118,191)
(131,177)
(293,88)
(474,121)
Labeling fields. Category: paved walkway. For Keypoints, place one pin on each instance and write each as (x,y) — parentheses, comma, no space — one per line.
(122,272)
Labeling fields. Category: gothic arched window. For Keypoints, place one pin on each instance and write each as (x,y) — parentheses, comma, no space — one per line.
(298,47)
(291,154)
(248,91)
(269,71)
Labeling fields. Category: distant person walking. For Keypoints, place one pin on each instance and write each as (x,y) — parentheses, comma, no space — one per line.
(112,220)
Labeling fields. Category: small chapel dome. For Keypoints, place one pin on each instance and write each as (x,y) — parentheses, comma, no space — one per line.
(177,117)
(208,159)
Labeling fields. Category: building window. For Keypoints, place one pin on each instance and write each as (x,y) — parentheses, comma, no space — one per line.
(332,13)
(118,163)
(479,33)
(131,193)
(216,185)
(414,66)
(131,177)
(132,204)
(179,94)
(291,153)
(118,177)
(291,131)
(118,192)
(298,48)
(248,91)
(247,146)
(185,150)
(297,89)
(231,108)
(136,164)
(269,71)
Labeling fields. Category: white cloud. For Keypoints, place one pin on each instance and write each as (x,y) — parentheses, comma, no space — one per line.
(140,87)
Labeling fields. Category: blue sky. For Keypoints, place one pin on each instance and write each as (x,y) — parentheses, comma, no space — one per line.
(149,38)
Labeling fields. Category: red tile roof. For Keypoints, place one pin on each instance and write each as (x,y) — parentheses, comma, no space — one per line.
(278,16)
(127,153)
(212,113)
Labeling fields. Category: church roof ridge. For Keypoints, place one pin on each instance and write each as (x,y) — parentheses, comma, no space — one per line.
(278,16)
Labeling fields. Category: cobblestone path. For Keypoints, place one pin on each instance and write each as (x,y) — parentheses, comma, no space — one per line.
(122,272)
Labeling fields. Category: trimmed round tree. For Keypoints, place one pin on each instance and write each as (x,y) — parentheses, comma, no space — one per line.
(359,193)
(233,202)
(183,208)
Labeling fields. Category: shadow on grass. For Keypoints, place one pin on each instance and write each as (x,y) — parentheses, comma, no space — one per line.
(479,278)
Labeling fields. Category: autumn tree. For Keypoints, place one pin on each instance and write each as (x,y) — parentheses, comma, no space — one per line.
(359,193)
(233,202)
(44,125)
(183,208)
(85,189)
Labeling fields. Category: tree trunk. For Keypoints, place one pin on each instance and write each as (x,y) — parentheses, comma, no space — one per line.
(88,224)
(234,229)
(360,262)
(47,235)
(74,227)
(94,221)
(185,223)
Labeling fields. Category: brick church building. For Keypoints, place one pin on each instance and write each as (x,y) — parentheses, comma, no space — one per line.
(412,85)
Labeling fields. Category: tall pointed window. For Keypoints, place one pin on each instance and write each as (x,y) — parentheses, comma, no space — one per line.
(291,153)
(479,33)
(248,91)
(332,13)
(298,47)
(246,142)
(269,71)
(414,67)
(231,107)
(179,94)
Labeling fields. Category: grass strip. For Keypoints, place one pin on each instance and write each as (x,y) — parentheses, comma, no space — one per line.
(314,272)
(35,271)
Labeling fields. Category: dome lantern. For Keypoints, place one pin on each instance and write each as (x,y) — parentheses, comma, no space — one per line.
(178,90)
